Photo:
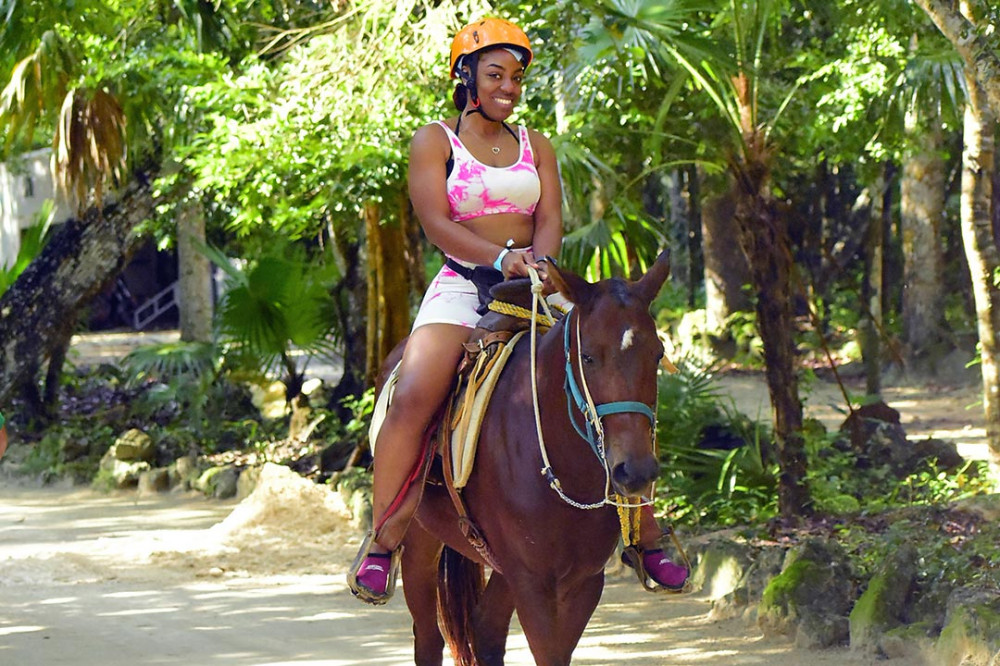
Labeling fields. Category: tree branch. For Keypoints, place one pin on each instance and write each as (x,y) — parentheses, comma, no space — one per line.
(969,39)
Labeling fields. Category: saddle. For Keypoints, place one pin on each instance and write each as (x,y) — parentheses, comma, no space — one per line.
(449,449)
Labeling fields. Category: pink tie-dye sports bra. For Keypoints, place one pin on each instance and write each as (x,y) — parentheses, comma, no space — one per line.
(476,189)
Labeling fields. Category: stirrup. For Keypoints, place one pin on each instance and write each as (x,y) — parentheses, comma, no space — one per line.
(632,557)
(360,591)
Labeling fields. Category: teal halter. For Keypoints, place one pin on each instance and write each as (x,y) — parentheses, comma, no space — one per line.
(575,396)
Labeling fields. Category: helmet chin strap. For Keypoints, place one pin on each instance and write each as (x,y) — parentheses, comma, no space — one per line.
(477,108)
(469,81)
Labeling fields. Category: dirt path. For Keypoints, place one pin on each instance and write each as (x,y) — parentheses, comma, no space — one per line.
(90,579)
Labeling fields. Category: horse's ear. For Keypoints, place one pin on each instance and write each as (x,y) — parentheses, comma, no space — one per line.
(576,290)
(649,284)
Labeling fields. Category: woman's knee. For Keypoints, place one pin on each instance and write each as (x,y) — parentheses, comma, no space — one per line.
(414,404)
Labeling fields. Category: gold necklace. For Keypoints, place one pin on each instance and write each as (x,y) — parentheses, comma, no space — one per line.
(494,148)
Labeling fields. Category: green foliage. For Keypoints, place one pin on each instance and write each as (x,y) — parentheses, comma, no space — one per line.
(176,377)
(840,485)
(954,547)
(276,304)
(33,240)
(715,466)
(73,450)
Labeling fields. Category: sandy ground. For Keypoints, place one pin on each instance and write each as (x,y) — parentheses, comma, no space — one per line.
(90,579)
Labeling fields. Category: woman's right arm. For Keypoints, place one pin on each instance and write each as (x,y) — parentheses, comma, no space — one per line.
(429,152)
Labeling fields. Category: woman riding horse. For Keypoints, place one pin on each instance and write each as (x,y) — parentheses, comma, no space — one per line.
(488,195)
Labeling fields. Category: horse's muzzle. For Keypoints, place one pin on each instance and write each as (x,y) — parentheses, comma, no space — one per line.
(635,476)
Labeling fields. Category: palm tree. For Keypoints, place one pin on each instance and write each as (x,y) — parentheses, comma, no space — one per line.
(975,42)
(733,82)
(79,102)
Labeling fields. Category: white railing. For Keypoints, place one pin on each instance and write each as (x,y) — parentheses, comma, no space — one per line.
(154,307)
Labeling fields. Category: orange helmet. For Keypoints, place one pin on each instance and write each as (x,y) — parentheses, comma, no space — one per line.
(486,33)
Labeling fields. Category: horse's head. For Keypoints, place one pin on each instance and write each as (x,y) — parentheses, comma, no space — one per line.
(613,352)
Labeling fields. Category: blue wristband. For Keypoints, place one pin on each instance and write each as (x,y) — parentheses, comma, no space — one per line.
(498,264)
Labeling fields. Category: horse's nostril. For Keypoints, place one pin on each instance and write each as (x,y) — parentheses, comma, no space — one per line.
(632,478)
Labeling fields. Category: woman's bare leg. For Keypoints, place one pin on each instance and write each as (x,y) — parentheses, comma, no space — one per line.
(425,376)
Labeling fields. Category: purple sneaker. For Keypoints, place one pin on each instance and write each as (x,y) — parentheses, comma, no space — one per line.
(664,572)
(374,574)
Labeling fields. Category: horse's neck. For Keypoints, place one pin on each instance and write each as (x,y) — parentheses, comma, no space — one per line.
(571,456)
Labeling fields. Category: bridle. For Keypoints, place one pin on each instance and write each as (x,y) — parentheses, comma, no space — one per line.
(578,395)
(592,413)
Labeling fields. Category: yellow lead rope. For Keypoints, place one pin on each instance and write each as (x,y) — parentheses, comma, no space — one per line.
(628,516)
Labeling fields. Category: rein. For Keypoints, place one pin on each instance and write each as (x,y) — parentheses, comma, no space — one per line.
(580,397)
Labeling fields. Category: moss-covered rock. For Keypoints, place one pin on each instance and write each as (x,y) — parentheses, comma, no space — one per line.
(742,601)
(134,445)
(881,607)
(971,635)
(910,642)
(811,596)
(218,482)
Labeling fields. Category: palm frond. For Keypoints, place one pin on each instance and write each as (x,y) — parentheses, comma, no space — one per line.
(89,147)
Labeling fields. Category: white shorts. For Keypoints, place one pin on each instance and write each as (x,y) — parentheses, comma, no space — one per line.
(450,299)
(453,299)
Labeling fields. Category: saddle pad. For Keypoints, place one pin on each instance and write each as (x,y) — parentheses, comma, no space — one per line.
(465,435)
(381,407)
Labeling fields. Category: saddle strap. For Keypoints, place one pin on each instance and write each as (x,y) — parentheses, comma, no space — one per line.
(466,524)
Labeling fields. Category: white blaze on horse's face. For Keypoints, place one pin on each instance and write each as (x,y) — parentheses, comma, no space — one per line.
(628,338)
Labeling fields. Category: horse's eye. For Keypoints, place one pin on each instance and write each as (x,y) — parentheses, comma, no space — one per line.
(587,358)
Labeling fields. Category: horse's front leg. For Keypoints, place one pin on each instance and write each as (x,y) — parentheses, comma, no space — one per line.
(420,572)
(553,617)
(492,621)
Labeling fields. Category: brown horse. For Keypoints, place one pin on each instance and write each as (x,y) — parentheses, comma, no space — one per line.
(549,528)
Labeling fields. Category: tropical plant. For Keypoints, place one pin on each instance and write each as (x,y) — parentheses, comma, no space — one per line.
(717,464)
(278,305)
(33,239)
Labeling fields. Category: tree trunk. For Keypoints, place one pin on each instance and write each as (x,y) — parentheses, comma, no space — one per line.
(351,299)
(678,218)
(922,195)
(388,288)
(696,259)
(82,258)
(194,275)
(981,251)
(726,270)
(872,322)
(763,234)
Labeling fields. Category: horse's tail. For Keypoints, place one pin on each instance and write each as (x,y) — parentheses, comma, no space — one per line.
(460,585)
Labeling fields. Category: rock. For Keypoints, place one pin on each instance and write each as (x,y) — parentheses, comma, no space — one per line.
(122,474)
(986,507)
(721,566)
(944,454)
(247,482)
(971,635)
(218,482)
(909,642)
(154,481)
(134,445)
(184,472)
(743,600)
(811,597)
(815,632)
(881,607)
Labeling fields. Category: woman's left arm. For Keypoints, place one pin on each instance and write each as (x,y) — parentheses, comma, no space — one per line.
(547,237)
